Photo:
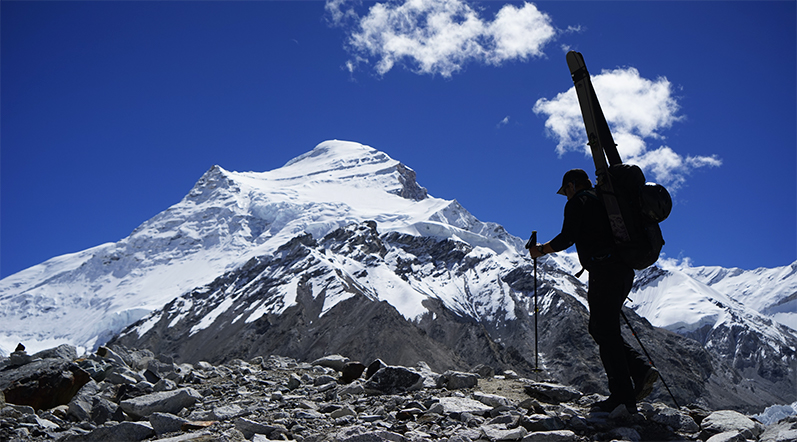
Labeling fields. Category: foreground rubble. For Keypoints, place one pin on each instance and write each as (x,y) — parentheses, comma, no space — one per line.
(133,395)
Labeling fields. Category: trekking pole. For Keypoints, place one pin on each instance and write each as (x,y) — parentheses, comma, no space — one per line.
(633,332)
(533,243)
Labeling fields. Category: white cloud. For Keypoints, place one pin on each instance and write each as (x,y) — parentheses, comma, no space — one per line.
(637,109)
(503,122)
(439,36)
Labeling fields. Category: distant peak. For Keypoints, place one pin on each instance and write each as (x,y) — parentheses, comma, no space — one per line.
(216,177)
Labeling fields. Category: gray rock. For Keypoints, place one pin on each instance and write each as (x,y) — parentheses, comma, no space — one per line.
(456,380)
(16,411)
(19,358)
(620,413)
(343,411)
(294,382)
(327,386)
(42,423)
(159,368)
(308,414)
(351,371)
(362,434)
(492,400)
(252,403)
(306,404)
(457,405)
(110,355)
(79,407)
(182,371)
(249,428)
(98,370)
(728,420)
(204,365)
(373,368)
(163,401)
(353,389)
(63,351)
(121,376)
(552,393)
(199,436)
(728,436)
(335,362)
(500,433)
(323,380)
(226,412)
(164,423)
(625,433)
(541,422)
(485,371)
(43,384)
(510,374)
(102,410)
(784,430)
(119,432)
(551,436)
(139,359)
(674,419)
(164,385)
(503,417)
(392,380)
(430,378)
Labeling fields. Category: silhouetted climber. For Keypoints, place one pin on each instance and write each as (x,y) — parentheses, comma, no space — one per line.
(586,225)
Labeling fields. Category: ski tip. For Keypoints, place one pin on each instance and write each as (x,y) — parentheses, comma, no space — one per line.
(575,61)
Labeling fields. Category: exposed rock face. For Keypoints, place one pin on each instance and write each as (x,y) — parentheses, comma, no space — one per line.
(42,383)
(278,398)
(409,187)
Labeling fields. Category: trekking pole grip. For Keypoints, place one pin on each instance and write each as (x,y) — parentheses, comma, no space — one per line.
(532,241)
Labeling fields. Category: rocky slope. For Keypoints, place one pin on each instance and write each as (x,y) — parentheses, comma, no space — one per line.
(131,395)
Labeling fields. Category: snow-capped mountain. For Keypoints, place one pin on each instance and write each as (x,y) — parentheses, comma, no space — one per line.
(342,243)
(225,220)
(753,344)
(772,292)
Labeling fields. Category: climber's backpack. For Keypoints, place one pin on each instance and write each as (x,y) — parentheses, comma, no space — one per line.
(635,208)
(643,206)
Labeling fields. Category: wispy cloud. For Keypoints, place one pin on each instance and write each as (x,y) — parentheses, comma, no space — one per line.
(439,36)
(503,122)
(637,109)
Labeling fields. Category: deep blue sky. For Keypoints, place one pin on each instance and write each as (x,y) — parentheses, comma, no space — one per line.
(111,111)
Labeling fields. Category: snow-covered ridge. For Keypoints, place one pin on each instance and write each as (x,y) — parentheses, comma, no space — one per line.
(673,300)
(772,292)
(226,219)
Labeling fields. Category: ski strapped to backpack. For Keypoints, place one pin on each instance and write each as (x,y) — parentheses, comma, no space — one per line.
(635,208)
